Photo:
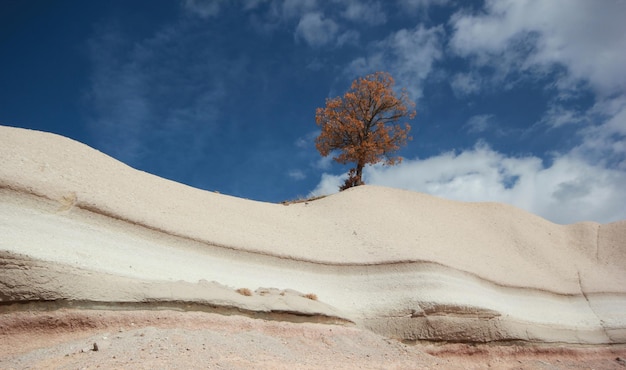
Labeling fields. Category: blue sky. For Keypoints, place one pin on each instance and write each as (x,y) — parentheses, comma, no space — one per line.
(518,101)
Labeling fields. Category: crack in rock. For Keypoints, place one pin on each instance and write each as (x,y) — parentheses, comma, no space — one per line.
(582,291)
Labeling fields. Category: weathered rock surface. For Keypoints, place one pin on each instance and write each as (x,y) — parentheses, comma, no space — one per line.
(78,227)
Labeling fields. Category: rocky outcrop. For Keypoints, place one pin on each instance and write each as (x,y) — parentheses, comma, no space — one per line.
(78,226)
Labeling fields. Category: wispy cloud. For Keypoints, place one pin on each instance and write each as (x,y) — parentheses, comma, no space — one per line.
(121,110)
(296,175)
(316,29)
(586,40)
(369,12)
(408,54)
(328,184)
(604,139)
(464,84)
(203,8)
(318,24)
(156,95)
(585,37)
(420,5)
(479,123)
(273,12)
(307,141)
(558,115)
(295,8)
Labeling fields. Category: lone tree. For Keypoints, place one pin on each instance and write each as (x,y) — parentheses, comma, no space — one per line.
(358,127)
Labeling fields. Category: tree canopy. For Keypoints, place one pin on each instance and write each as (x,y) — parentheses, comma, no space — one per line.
(358,127)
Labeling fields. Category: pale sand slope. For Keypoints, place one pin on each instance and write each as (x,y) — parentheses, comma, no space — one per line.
(77,225)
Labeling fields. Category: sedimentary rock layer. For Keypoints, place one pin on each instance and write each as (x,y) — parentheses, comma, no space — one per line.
(78,226)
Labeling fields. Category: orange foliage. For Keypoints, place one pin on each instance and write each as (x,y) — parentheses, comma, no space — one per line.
(358,126)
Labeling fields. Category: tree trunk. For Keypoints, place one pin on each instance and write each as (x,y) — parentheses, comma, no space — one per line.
(354,178)
(359,173)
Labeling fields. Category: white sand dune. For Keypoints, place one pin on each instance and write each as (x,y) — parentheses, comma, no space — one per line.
(78,227)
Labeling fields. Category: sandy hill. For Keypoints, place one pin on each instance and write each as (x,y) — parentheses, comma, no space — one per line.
(80,228)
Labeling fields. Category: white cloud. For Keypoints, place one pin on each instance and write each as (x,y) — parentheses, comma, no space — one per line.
(324,163)
(578,43)
(364,12)
(615,109)
(302,143)
(278,13)
(409,55)
(328,184)
(567,191)
(586,37)
(348,37)
(296,175)
(600,130)
(465,84)
(479,123)
(557,115)
(203,8)
(605,141)
(314,27)
(253,4)
(307,141)
(417,5)
(316,30)
(297,8)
